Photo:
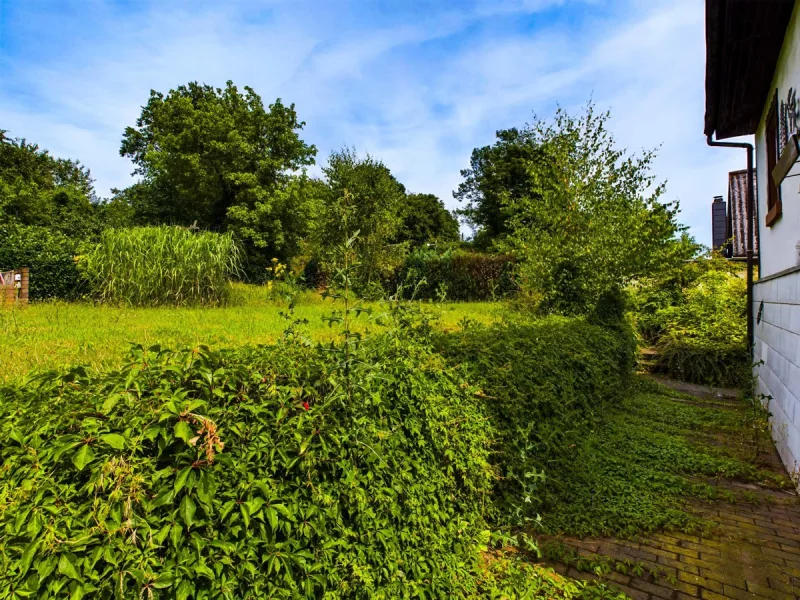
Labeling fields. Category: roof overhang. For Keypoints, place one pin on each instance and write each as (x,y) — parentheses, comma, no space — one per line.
(743,43)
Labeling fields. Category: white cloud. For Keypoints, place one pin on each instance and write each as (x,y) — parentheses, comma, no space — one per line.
(419,91)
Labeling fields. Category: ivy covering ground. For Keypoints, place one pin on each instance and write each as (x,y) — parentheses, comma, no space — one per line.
(361,469)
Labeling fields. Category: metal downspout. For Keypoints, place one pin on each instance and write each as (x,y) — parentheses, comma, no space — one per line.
(751,225)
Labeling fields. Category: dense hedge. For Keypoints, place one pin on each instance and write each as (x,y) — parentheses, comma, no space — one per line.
(459,275)
(248,474)
(372,470)
(49,255)
(704,335)
(542,384)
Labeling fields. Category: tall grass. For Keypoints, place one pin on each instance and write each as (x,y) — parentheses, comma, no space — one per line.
(161,266)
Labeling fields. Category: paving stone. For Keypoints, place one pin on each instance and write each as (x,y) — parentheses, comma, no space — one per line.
(701,582)
(632,593)
(658,591)
(769,592)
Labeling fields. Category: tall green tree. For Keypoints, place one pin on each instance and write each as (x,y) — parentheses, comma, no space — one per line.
(364,197)
(498,175)
(201,150)
(592,219)
(40,190)
(281,225)
(426,220)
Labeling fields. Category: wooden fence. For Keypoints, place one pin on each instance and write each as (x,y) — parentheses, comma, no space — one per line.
(14,286)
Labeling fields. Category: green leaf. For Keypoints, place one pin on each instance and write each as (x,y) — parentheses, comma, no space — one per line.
(67,568)
(272,516)
(183,431)
(185,589)
(164,580)
(187,510)
(27,558)
(82,457)
(114,440)
(180,480)
(110,403)
(175,535)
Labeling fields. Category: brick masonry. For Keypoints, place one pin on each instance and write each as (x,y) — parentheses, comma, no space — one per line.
(753,552)
(777,344)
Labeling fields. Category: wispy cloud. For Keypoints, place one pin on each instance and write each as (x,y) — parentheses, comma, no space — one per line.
(418,85)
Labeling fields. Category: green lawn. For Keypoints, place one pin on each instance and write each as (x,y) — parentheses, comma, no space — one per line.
(53,334)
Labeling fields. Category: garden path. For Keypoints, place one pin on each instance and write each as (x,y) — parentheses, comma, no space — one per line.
(753,552)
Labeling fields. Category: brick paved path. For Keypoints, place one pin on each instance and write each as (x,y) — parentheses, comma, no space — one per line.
(753,553)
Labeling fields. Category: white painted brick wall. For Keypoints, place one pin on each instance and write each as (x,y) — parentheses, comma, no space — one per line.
(777,343)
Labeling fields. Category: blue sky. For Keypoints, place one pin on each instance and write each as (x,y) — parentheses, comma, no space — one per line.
(417,84)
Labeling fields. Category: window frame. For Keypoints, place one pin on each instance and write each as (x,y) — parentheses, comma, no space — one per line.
(771,137)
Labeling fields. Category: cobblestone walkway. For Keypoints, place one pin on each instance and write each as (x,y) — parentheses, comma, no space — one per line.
(753,553)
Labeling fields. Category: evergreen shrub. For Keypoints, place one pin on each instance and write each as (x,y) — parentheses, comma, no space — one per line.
(459,275)
(49,254)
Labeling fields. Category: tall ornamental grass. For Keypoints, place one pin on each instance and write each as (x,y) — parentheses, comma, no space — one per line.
(157,266)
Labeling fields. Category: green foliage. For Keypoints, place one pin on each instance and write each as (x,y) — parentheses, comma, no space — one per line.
(497,174)
(50,257)
(651,293)
(583,217)
(634,468)
(37,189)
(704,337)
(266,472)
(459,275)
(365,199)
(426,221)
(217,157)
(542,383)
(510,577)
(152,266)
(278,226)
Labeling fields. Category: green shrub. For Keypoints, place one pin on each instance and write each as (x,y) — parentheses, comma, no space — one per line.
(279,472)
(705,336)
(50,257)
(152,266)
(542,383)
(460,275)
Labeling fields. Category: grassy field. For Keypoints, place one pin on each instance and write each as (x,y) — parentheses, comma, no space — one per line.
(49,335)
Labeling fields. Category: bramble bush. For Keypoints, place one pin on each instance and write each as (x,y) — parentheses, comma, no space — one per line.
(695,316)
(358,469)
(265,472)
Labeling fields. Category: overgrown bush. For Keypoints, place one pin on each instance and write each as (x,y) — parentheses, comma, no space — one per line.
(459,275)
(542,384)
(277,472)
(152,266)
(704,337)
(50,257)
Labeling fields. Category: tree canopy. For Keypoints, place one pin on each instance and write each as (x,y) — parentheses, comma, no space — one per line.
(426,220)
(590,218)
(38,189)
(201,150)
(364,197)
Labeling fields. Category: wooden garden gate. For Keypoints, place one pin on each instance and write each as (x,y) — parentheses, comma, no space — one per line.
(14,286)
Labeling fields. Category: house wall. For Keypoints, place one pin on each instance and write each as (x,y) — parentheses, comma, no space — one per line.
(777,293)
(777,344)
(779,241)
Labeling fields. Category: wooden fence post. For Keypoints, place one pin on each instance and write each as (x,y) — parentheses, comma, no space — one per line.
(26,278)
